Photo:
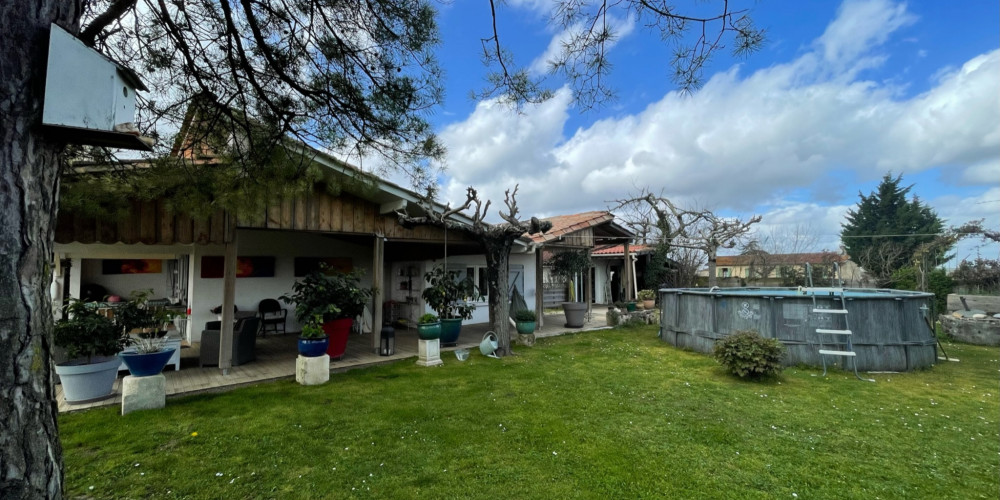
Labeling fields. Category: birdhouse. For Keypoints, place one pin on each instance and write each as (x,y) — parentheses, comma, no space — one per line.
(89,99)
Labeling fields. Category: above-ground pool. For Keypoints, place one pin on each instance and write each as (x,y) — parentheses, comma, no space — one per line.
(889,330)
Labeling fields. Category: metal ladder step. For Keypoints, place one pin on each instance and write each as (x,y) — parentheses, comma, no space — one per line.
(830,311)
(838,353)
(834,332)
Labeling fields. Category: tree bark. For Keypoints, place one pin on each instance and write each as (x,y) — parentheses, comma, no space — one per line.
(497,249)
(30,452)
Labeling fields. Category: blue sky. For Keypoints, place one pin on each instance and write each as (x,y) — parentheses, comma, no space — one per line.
(840,94)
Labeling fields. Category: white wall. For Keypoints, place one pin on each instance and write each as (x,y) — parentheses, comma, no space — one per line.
(206,293)
(482,312)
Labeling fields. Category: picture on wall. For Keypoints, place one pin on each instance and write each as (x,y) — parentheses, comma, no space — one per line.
(306,265)
(131,266)
(213,266)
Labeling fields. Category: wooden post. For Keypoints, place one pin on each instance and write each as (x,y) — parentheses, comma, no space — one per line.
(539,288)
(228,298)
(588,295)
(627,269)
(378,282)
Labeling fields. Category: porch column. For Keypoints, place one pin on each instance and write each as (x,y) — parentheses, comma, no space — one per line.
(627,268)
(539,288)
(587,288)
(378,283)
(228,298)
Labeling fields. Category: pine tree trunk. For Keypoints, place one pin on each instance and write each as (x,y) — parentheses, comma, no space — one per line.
(497,250)
(30,453)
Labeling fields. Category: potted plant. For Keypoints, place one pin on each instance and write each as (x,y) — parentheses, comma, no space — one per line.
(336,297)
(524,321)
(448,296)
(648,298)
(91,342)
(428,327)
(313,341)
(148,352)
(569,264)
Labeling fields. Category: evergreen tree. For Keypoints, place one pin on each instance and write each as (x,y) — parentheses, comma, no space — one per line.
(884,231)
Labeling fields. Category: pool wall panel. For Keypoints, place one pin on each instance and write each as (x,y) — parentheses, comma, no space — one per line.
(889,329)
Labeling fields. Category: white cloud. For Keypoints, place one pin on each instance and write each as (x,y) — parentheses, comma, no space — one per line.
(743,141)
(860,26)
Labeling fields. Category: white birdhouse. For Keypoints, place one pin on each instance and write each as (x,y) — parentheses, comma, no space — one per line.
(89,99)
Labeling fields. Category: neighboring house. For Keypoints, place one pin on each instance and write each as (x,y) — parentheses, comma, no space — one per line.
(591,232)
(765,269)
(181,258)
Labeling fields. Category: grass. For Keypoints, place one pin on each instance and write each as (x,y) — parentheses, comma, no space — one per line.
(609,414)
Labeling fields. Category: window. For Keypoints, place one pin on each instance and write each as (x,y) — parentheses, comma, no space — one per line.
(724,272)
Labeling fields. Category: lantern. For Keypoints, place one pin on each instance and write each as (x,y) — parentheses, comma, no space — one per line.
(388,347)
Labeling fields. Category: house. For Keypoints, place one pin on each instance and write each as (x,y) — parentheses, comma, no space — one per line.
(183,259)
(784,269)
(590,232)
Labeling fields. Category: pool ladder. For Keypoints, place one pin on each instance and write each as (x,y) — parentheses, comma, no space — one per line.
(835,336)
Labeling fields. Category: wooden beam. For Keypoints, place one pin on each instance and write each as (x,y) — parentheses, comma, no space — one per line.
(628,273)
(539,287)
(587,291)
(228,298)
(378,282)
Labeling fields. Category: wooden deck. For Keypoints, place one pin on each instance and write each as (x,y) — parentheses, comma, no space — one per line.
(276,360)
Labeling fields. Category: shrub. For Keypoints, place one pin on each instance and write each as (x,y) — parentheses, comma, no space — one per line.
(427,319)
(524,315)
(746,354)
(646,295)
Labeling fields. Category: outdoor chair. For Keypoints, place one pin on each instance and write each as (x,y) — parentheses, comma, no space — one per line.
(244,342)
(271,316)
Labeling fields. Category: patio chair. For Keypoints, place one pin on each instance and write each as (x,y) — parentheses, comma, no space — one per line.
(272,316)
(244,343)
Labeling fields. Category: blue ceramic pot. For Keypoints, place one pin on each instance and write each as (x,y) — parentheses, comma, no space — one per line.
(144,365)
(313,348)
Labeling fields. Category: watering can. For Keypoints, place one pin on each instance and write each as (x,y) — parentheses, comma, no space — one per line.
(489,344)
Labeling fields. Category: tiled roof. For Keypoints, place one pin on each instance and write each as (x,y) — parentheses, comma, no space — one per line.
(565,224)
(782,259)
(620,250)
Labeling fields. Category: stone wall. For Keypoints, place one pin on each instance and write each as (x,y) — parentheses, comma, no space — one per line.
(972,331)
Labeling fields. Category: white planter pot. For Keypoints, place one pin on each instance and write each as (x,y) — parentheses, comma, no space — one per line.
(87,382)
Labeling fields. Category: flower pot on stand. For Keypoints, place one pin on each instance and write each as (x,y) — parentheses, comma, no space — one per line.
(338,331)
(146,364)
(313,348)
(429,331)
(649,304)
(575,313)
(450,330)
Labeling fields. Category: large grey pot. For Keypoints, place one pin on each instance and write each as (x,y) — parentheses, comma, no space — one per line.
(86,382)
(575,312)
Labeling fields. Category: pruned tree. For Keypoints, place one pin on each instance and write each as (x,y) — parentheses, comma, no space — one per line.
(496,240)
(687,228)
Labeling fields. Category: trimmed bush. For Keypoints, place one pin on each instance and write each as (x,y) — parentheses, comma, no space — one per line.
(525,315)
(746,354)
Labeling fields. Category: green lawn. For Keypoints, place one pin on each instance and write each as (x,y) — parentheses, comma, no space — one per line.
(610,414)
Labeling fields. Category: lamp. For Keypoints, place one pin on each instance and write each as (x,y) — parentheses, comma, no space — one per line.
(388,344)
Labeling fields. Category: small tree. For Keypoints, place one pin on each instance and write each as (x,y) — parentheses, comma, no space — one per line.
(569,264)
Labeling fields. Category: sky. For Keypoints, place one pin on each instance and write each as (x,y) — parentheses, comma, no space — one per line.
(840,94)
